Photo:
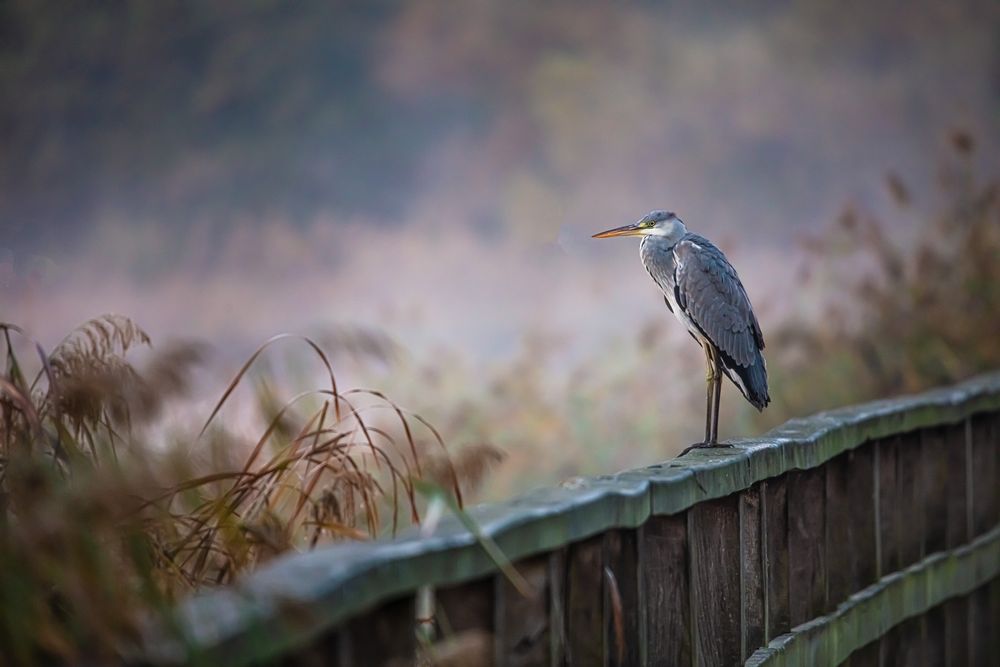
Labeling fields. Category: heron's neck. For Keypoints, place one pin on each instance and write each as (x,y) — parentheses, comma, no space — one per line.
(663,240)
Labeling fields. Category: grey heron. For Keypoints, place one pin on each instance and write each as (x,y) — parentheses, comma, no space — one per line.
(702,290)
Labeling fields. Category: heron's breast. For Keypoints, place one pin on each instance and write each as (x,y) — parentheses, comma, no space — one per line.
(660,263)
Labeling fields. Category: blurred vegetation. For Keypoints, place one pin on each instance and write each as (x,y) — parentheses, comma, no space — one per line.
(223,112)
(555,420)
(103,523)
(901,307)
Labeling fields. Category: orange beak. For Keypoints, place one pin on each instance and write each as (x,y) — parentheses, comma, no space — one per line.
(627,230)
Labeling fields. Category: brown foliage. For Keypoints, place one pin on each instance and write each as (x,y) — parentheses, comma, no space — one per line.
(100,525)
(905,307)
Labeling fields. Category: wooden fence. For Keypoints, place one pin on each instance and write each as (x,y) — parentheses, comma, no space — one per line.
(868,535)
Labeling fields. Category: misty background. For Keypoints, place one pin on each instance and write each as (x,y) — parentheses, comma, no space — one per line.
(431,172)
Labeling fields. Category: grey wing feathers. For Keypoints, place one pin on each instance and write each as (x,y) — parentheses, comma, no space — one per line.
(711,293)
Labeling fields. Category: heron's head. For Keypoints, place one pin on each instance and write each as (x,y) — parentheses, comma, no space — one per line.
(655,223)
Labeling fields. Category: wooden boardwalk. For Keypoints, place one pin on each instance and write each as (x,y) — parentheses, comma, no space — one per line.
(868,535)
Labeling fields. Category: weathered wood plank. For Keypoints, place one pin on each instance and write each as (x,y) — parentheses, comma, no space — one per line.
(888,506)
(985,484)
(622,604)
(958,533)
(464,624)
(665,574)
(522,621)
(324,652)
(464,607)
(911,650)
(902,511)
(934,444)
(911,499)
(956,635)
(850,523)
(984,620)
(714,539)
(585,603)
(889,603)
(385,636)
(775,514)
(866,656)
(890,648)
(958,482)
(806,544)
(753,618)
(839,550)
(557,606)
(936,650)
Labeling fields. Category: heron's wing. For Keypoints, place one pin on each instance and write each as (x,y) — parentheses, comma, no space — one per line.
(711,294)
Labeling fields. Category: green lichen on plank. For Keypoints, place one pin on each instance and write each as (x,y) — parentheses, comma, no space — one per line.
(871,613)
(301,596)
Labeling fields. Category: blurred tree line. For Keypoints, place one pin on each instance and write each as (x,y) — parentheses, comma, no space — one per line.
(237,109)
(197,110)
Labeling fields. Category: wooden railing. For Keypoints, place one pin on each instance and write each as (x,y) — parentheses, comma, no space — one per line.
(868,535)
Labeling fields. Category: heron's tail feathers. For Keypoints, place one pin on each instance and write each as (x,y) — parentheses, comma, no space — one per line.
(751,380)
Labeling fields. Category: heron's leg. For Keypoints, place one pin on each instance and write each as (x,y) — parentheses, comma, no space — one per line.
(709,393)
(717,392)
(713,381)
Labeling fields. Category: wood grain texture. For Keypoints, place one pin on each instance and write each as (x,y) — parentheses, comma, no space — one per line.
(464,607)
(850,523)
(902,511)
(806,544)
(522,621)
(714,545)
(911,650)
(775,515)
(584,606)
(934,443)
(622,637)
(557,606)
(936,651)
(958,482)
(890,648)
(324,652)
(985,483)
(665,572)
(866,656)
(384,637)
(753,616)
(957,533)
(463,624)
(889,604)
(984,625)
(888,506)
(911,499)
(956,616)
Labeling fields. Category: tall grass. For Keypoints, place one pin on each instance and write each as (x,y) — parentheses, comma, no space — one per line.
(103,523)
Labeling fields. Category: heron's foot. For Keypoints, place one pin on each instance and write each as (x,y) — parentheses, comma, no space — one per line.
(705,445)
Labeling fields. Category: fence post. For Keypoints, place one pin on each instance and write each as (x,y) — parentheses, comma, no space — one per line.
(751,571)
(585,603)
(665,572)
(714,545)
(775,515)
(806,544)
